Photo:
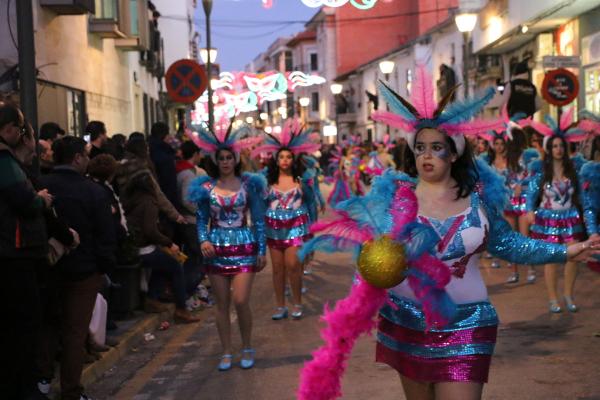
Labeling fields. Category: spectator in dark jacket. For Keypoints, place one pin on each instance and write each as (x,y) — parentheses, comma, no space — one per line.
(23,246)
(98,137)
(85,207)
(163,157)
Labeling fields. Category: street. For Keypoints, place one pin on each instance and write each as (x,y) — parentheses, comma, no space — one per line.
(538,355)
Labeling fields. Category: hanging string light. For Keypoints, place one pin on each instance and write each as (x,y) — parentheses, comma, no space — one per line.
(360,4)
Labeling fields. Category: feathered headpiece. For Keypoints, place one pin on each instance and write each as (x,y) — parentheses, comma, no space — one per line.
(422,112)
(292,137)
(224,137)
(565,128)
(589,122)
(517,121)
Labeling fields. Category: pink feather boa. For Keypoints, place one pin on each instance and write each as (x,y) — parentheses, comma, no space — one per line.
(353,316)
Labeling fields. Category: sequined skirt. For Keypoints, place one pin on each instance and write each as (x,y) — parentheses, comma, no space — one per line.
(460,352)
(516,206)
(287,228)
(558,226)
(235,251)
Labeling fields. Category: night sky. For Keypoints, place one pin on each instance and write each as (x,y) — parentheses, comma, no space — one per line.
(241,29)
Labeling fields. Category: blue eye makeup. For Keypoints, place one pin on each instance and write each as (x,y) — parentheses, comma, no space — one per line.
(435,149)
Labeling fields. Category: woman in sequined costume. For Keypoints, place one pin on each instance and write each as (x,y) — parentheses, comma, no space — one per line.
(290,202)
(554,204)
(462,201)
(233,251)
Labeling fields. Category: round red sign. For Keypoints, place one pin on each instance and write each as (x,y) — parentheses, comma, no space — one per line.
(560,87)
(186,81)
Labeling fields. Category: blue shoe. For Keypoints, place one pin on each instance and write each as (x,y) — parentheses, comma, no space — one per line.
(247,363)
(298,311)
(225,364)
(570,305)
(555,307)
(282,312)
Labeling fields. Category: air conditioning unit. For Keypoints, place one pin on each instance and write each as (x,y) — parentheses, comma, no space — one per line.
(70,7)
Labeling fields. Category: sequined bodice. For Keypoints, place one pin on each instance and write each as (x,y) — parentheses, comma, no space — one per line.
(285,200)
(558,195)
(228,211)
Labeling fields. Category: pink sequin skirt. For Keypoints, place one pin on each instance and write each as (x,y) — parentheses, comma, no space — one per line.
(460,352)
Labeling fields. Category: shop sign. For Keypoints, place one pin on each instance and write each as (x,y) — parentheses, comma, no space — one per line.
(561,61)
(560,87)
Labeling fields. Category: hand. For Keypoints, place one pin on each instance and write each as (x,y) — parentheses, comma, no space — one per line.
(584,251)
(261,262)
(530,217)
(174,248)
(46,196)
(207,249)
(181,220)
(76,239)
(594,237)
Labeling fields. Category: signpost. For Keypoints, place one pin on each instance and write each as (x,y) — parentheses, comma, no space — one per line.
(560,87)
(186,81)
(561,62)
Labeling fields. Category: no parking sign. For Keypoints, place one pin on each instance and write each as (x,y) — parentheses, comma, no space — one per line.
(186,81)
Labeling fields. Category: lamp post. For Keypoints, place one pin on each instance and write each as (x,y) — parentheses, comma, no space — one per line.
(304,102)
(387,67)
(207,5)
(465,22)
(336,89)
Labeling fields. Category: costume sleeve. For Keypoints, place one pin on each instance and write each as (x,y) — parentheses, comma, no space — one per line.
(199,194)
(533,192)
(256,187)
(509,245)
(588,201)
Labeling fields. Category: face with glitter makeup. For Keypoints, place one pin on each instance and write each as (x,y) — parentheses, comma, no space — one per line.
(226,162)
(433,155)
(499,146)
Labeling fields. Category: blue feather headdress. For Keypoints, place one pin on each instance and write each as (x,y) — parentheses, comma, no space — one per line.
(293,137)
(564,128)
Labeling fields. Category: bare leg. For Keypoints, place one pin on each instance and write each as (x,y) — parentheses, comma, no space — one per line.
(277,261)
(221,288)
(514,224)
(524,224)
(242,287)
(417,390)
(293,269)
(570,277)
(458,391)
(551,276)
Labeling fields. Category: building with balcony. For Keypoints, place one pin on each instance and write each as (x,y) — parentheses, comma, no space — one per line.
(96,60)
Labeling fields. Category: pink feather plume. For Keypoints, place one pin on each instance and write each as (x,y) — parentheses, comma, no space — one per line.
(566,119)
(541,128)
(353,316)
(208,147)
(343,227)
(591,127)
(472,128)
(394,120)
(403,209)
(421,96)
(246,143)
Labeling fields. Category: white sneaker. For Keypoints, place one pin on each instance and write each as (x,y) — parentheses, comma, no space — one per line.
(44,386)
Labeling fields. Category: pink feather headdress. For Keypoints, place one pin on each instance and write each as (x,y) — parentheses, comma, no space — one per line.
(292,137)
(565,128)
(224,137)
(517,121)
(589,122)
(422,112)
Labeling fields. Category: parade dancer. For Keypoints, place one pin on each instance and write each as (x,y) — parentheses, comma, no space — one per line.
(554,201)
(290,198)
(233,251)
(440,352)
(341,190)
(380,159)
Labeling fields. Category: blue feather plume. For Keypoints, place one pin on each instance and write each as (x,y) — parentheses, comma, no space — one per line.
(462,111)
(395,105)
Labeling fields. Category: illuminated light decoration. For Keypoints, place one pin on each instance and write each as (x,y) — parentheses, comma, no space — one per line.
(277,129)
(360,4)
(299,78)
(225,81)
(242,102)
(304,101)
(267,3)
(268,88)
(264,116)
(268,129)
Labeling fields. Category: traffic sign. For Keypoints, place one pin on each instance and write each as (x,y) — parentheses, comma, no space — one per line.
(560,87)
(561,61)
(186,81)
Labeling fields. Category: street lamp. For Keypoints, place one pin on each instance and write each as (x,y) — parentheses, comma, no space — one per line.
(207,5)
(304,101)
(387,67)
(204,52)
(465,22)
(336,89)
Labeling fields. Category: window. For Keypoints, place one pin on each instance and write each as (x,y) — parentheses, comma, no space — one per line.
(289,62)
(314,102)
(107,9)
(314,62)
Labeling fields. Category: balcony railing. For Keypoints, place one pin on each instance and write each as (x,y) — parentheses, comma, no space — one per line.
(69,7)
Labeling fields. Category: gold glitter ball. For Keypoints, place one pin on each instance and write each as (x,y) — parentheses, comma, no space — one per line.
(382,262)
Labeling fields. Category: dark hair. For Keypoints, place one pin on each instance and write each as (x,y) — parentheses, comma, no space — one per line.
(532,134)
(95,129)
(137,135)
(521,68)
(273,168)
(568,169)
(159,130)
(137,147)
(595,146)
(9,114)
(515,149)
(50,131)
(188,149)
(212,169)
(66,148)
(102,167)
(463,170)
(119,139)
